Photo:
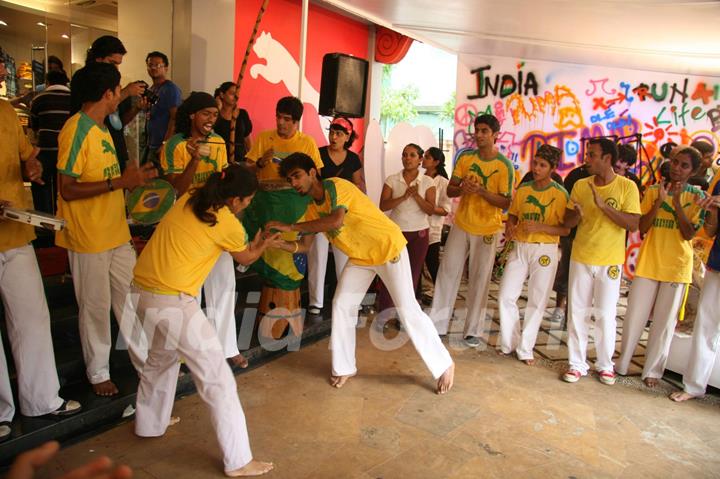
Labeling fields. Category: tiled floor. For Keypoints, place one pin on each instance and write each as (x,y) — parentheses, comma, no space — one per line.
(502,419)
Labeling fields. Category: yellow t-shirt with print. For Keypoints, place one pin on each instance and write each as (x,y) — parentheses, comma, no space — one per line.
(599,241)
(664,254)
(15,147)
(174,157)
(368,237)
(86,152)
(474,214)
(183,249)
(298,143)
(546,205)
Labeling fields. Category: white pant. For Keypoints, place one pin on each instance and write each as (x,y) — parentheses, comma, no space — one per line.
(101,281)
(458,246)
(178,328)
(539,261)
(219,291)
(317,265)
(593,291)
(663,301)
(706,336)
(28,327)
(352,286)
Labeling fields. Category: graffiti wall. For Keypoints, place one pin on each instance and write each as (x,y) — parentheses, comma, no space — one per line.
(557,103)
(273,66)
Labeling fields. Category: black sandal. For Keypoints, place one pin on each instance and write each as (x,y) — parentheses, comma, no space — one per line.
(67,408)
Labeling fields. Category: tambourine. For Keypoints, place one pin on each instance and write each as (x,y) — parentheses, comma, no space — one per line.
(148,204)
(35,218)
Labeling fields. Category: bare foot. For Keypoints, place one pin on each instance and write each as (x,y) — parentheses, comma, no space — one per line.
(239,361)
(651,382)
(339,381)
(173,420)
(529,362)
(681,396)
(252,468)
(105,388)
(445,382)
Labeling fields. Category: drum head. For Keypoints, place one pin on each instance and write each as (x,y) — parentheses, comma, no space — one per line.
(148,204)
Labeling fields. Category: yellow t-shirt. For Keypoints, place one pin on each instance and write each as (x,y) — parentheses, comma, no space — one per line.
(599,241)
(97,224)
(174,157)
(298,143)
(474,214)
(664,254)
(368,237)
(14,146)
(545,205)
(183,249)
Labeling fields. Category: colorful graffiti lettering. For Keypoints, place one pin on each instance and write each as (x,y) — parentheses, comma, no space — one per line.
(504,85)
(561,103)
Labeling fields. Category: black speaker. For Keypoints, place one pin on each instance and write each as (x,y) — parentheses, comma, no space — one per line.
(343,85)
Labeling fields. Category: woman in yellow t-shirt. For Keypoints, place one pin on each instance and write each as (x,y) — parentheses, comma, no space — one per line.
(670,218)
(535,224)
(168,276)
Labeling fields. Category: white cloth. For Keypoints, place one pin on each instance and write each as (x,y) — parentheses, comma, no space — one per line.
(351,289)
(219,291)
(443,201)
(408,215)
(662,301)
(28,327)
(101,281)
(317,266)
(706,336)
(177,328)
(481,250)
(539,261)
(593,291)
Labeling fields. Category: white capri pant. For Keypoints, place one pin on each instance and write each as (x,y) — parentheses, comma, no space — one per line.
(661,301)
(317,266)
(176,327)
(593,292)
(481,250)
(352,286)
(706,336)
(219,291)
(28,327)
(539,261)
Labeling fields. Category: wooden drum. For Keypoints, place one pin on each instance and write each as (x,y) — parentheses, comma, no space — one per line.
(280,307)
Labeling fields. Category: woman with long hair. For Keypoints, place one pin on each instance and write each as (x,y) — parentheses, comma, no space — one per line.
(187,243)
(411,197)
(226,96)
(339,162)
(434,165)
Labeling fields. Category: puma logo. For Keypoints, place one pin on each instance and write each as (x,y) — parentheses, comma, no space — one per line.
(669,209)
(474,168)
(108,148)
(535,202)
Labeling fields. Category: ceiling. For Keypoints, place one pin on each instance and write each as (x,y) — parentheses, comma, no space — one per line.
(59,14)
(23,24)
(656,35)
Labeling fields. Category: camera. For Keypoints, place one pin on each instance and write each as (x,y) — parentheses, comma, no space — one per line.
(148,94)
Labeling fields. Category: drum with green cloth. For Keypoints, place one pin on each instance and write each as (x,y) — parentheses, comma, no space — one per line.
(277,201)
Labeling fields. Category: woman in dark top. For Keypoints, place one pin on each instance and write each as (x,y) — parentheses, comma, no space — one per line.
(337,159)
(338,162)
(227,97)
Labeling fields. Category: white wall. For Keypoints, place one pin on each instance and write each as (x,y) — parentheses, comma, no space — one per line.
(212,44)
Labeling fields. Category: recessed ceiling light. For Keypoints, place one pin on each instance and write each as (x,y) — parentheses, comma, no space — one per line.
(65,35)
(3,23)
(40,24)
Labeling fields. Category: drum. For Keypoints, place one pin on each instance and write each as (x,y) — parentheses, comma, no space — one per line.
(35,218)
(278,309)
(277,201)
(148,204)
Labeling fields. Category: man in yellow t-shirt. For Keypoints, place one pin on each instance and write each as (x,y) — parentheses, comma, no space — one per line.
(96,235)
(374,245)
(188,159)
(603,207)
(271,146)
(483,179)
(671,215)
(21,286)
